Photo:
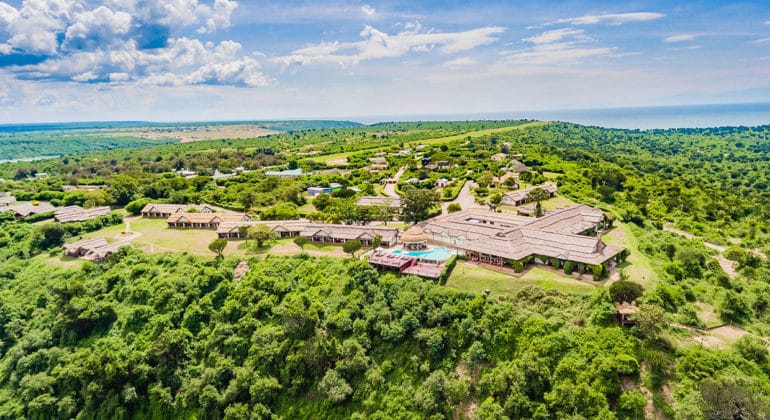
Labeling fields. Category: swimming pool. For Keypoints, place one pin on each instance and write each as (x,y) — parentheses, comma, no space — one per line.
(435,254)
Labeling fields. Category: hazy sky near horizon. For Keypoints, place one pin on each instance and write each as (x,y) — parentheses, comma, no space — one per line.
(80,60)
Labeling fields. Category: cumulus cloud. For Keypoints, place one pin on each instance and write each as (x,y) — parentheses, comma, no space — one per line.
(368,11)
(680,38)
(611,18)
(377,44)
(560,46)
(121,41)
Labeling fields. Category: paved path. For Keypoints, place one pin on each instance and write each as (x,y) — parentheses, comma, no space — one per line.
(390,189)
(465,199)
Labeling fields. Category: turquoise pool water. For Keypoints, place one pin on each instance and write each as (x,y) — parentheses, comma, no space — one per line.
(435,254)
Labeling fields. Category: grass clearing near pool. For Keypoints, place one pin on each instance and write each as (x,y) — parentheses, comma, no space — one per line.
(469,277)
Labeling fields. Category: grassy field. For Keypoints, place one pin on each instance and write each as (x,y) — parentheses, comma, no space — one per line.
(471,278)
(637,266)
(549,205)
(337,157)
(153,236)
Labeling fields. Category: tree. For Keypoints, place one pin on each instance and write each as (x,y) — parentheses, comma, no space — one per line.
(510,182)
(538,194)
(322,201)
(625,291)
(651,320)
(539,212)
(123,188)
(301,241)
(49,235)
(734,397)
(377,241)
(351,247)
(261,234)
(734,308)
(417,203)
(135,207)
(335,387)
(217,246)
(383,212)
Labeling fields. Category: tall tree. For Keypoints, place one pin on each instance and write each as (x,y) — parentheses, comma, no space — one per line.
(217,246)
(417,203)
(261,234)
(351,247)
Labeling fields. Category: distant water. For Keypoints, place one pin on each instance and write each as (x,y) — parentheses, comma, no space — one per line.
(691,116)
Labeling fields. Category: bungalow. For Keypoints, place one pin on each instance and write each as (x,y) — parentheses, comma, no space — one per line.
(164,211)
(71,214)
(203,220)
(314,191)
(315,232)
(81,248)
(96,249)
(378,160)
(519,197)
(442,182)
(7,200)
(443,164)
(23,210)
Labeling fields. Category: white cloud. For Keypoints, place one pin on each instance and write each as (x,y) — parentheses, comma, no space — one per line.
(220,18)
(368,11)
(377,44)
(612,18)
(96,28)
(560,46)
(125,41)
(549,37)
(760,41)
(680,38)
(460,62)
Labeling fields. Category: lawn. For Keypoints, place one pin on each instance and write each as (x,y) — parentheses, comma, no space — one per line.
(472,278)
(637,266)
(338,157)
(549,204)
(153,236)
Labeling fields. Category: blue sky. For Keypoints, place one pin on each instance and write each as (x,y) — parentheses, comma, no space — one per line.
(75,60)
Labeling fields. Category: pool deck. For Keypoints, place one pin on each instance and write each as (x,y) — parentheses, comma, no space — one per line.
(424,270)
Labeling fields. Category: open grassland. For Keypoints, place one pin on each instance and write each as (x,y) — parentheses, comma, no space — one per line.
(637,266)
(341,158)
(472,278)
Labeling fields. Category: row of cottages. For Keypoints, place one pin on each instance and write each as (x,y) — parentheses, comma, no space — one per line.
(568,234)
(71,214)
(519,197)
(315,232)
(164,211)
(24,210)
(96,249)
(7,200)
(203,220)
